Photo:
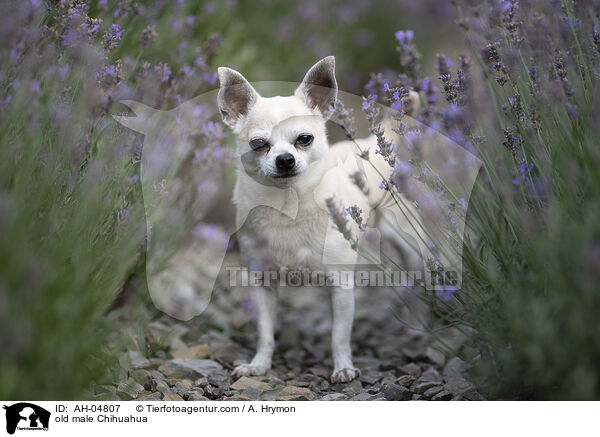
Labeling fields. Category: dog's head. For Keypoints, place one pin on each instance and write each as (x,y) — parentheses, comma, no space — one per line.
(279,138)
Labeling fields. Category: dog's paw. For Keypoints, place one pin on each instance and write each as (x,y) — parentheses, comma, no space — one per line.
(249,369)
(345,375)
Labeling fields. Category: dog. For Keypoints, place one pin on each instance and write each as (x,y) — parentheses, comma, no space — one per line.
(283,144)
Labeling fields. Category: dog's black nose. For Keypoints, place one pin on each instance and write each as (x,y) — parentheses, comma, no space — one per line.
(285,162)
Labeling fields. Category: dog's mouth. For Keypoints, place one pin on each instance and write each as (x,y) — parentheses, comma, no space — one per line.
(285,176)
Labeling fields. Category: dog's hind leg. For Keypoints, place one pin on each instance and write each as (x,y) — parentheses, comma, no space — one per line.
(266,305)
(342,302)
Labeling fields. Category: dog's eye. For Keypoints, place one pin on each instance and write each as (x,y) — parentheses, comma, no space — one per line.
(304,140)
(258,144)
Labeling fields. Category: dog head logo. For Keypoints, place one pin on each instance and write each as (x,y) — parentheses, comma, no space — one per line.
(26,416)
(188,231)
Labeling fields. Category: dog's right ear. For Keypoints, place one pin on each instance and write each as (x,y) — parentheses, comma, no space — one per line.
(236,95)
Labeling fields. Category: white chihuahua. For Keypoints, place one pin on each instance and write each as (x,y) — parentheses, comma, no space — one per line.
(285,153)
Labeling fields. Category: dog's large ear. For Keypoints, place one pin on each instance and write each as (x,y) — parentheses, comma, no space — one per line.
(319,87)
(236,95)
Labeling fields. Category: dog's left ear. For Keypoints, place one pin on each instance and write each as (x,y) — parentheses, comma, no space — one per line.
(235,97)
(319,87)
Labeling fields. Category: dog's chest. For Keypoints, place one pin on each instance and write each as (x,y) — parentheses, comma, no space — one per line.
(293,242)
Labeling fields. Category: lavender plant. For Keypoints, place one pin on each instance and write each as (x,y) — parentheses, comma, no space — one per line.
(525,102)
(72,228)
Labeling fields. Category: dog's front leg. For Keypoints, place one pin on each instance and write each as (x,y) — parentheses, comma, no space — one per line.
(265,301)
(343,315)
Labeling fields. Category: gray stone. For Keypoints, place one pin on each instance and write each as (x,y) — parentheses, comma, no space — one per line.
(251,393)
(161,385)
(182,387)
(197,351)
(237,397)
(421,386)
(334,397)
(405,380)
(156,396)
(374,389)
(457,385)
(131,388)
(444,395)
(142,376)
(133,360)
(161,335)
(172,397)
(275,381)
(455,367)
(291,393)
(462,388)
(220,379)
(157,375)
(431,375)
(388,365)
(201,382)
(362,397)
(195,395)
(325,385)
(413,353)
(395,392)
(321,371)
(411,369)
(473,395)
(190,368)
(433,391)
(270,395)
(245,382)
(435,356)
(371,377)
(352,387)
(388,379)
(213,392)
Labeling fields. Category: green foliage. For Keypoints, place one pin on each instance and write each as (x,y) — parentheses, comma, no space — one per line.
(533,266)
(70,230)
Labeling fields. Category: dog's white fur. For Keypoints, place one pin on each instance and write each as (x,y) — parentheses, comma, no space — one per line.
(297,240)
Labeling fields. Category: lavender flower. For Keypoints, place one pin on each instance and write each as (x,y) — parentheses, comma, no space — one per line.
(516,107)
(409,56)
(164,72)
(338,215)
(398,97)
(491,56)
(355,214)
(511,23)
(559,73)
(455,88)
(148,36)
(91,26)
(384,147)
(532,71)
(511,141)
(572,111)
(344,118)
(400,175)
(112,37)
(430,90)
(523,169)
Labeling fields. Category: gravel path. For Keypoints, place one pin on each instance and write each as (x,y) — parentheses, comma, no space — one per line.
(193,360)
